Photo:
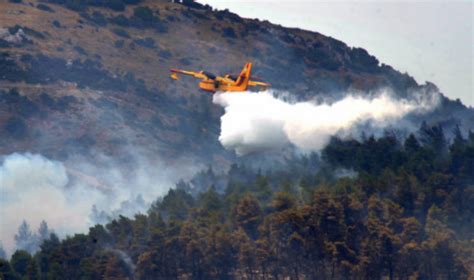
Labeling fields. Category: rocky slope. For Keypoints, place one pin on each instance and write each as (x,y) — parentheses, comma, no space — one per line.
(88,77)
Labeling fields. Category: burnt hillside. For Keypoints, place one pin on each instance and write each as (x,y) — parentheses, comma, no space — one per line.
(79,77)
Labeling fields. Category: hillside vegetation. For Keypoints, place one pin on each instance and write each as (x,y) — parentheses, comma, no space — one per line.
(84,76)
(407,215)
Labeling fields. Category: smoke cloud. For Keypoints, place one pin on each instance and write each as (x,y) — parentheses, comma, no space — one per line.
(263,121)
(77,193)
(32,188)
(72,196)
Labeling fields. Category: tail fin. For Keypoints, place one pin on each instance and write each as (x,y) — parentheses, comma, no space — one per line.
(244,76)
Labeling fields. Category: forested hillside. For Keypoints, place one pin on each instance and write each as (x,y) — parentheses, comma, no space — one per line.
(406,212)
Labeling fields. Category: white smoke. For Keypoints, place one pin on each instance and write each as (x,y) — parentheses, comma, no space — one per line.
(261,121)
(34,188)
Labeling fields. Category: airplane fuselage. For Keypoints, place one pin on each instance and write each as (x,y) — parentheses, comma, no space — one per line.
(221,84)
(212,83)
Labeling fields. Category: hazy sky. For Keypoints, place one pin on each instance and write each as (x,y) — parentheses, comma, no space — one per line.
(430,40)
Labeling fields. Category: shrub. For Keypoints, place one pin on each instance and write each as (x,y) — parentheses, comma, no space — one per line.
(165,54)
(82,5)
(80,50)
(161,26)
(220,15)
(26,58)
(147,42)
(21,105)
(288,38)
(116,5)
(47,101)
(120,20)
(64,102)
(99,18)
(10,70)
(28,31)
(144,14)
(362,60)
(77,6)
(193,4)
(252,26)
(61,104)
(44,7)
(212,50)
(229,32)
(132,1)
(143,18)
(121,32)
(185,61)
(119,44)
(32,32)
(56,24)
(15,127)
(4,44)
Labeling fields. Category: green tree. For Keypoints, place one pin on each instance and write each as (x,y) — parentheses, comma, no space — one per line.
(263,189)
(245,253)
(247,215)
(45,255)
(6,271)
(440,260)
(282,201)
(210,201)
(3,254)
(25,239)
(115,269)
(175,205)
(20,261)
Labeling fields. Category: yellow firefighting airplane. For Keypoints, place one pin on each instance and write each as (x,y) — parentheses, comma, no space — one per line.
(213,83)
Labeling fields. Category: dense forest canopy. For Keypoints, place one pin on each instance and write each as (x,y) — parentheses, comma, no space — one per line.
(406,212)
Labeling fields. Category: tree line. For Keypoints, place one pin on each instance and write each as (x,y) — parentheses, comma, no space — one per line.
(406,212)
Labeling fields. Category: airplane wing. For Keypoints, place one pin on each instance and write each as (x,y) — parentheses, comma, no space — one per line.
(199,75)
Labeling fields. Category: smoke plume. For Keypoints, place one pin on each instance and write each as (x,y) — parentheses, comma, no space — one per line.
(32,188)
(261,121)
(69,195)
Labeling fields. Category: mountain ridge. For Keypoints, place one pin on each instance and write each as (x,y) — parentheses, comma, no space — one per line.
(94,75)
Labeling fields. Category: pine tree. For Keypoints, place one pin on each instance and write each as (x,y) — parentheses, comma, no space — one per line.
(48,247)
(282,201)
(263,189)
(433,138)
(25,239)
(3,254)
(6,271)
(247,215)
(411,145)
(20,262)
(43,232)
